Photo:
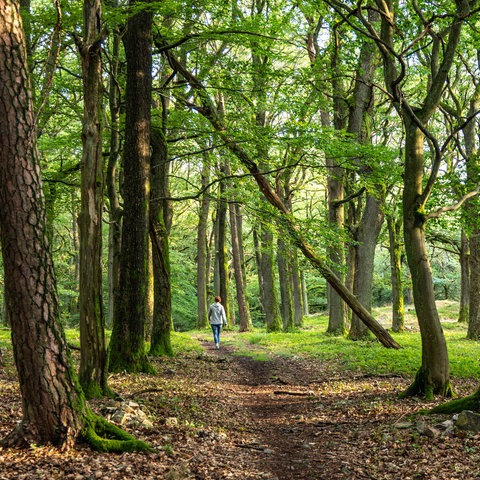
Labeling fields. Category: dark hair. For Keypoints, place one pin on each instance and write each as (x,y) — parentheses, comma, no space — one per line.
(218,299)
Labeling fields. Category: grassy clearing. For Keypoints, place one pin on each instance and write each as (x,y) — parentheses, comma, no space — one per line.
(366,357)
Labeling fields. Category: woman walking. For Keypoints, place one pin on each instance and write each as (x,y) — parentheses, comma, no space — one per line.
(217,318)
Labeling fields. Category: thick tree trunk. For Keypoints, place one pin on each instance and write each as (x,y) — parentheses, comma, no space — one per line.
(53,405)
(93,370)
(395,249)
(127,344)
(434,374)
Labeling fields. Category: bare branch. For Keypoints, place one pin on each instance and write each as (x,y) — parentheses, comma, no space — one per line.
(452,208)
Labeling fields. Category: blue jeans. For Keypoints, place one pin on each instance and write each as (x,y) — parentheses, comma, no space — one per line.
(216,332)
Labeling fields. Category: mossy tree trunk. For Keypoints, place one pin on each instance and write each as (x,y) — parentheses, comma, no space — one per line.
(160,220)
(127,343)
(54,407)
(93,369)
(395,250)
(433,376)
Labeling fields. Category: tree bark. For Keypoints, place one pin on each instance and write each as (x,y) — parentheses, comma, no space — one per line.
(202,252)
(395,250)
(52,401)
(127,344)
(160,221)
(93,369)
(463,311)
(286,298)
(112,179)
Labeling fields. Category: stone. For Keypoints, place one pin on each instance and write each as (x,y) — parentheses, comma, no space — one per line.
(468,420)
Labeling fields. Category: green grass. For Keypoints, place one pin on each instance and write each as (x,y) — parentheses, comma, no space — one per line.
(369,356)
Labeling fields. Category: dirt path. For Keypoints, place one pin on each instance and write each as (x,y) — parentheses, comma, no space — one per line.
(301,420)
(219,416)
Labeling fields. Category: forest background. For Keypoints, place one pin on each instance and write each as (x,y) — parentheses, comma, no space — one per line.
(358,124)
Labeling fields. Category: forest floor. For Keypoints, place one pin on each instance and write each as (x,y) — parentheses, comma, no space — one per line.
(219,416)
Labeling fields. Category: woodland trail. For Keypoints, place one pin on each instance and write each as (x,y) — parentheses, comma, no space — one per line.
(220,416)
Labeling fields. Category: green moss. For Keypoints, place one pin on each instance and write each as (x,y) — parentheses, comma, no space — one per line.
(423,386)
(162,347)
(104,436)
(472,402)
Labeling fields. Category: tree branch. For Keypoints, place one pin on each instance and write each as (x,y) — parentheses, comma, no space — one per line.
(452,208)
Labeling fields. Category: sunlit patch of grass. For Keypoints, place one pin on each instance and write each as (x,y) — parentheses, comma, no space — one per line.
(366,356)
(184,343)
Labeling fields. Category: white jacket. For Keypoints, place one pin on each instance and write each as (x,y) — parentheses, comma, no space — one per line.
(216,314)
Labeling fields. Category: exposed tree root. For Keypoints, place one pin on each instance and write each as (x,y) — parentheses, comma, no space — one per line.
(423,386)
(472,402)
(104,436)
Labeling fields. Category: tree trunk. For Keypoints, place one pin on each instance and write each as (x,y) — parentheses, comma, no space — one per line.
(471,264)
(269,300)
(245,321)
(127,344)
(112,181)
(258,261)
(336,253)
(395,249)
(434,374)
(52,401)
(337,311)
(93,371)
(221,264)
(474,306)
(296,282)
(286,298)
(463,314)
(371,219)
(367,237)
(202,252)
(160,220)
